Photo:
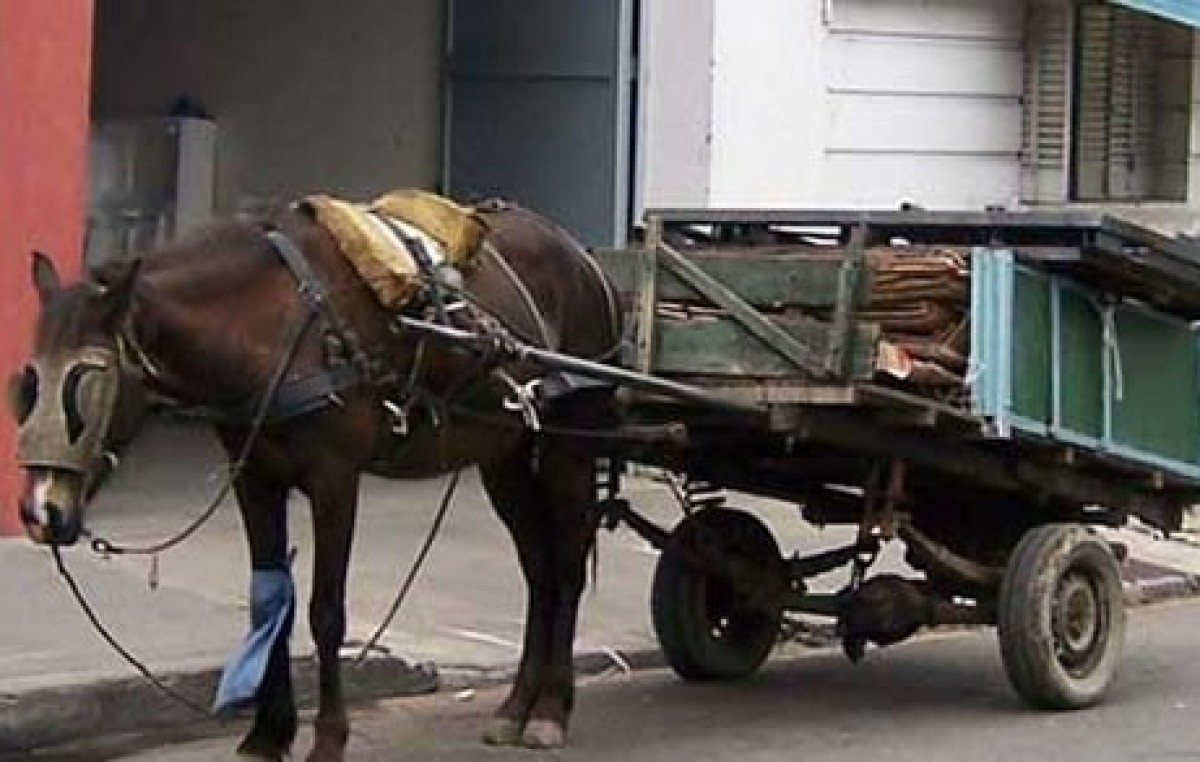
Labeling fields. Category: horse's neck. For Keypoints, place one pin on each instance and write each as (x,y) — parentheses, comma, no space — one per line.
(185,312)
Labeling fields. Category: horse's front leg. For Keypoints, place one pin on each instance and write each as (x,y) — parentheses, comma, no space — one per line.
(263,504)
(334,497)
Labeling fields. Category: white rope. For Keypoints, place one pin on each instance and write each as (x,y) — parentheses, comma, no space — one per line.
(1112,348)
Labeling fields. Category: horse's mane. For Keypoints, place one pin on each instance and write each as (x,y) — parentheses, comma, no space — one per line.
(209,257)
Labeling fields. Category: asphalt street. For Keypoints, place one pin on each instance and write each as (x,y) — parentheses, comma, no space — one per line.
(938,698)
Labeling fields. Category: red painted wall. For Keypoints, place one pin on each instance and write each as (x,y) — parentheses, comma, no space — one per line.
(45,82)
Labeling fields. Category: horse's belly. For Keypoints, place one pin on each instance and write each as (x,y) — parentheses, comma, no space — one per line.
(427,451)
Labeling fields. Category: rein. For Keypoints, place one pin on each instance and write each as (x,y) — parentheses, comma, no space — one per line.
(299,329)
(113,643)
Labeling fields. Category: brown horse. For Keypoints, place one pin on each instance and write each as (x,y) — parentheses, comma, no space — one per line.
(244,310)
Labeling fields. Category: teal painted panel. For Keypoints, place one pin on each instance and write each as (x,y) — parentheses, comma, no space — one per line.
(1155,393)
(1185,12)
(1031,347)
(1081,365)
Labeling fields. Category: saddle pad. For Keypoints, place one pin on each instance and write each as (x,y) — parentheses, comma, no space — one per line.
(380,257)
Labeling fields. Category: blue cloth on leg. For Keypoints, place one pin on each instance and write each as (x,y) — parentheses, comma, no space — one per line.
(272,600)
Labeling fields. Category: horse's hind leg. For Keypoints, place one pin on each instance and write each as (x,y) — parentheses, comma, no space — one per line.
(568,486)
(333,493)
(512,488)
(263,504)
(546,511)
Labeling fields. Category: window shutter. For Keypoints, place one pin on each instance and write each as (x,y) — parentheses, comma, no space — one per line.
(1046,128)
(1130,122)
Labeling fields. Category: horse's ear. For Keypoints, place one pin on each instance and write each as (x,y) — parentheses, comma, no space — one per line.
(45,276)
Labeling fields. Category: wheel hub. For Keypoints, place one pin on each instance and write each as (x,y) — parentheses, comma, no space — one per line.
(1077,621)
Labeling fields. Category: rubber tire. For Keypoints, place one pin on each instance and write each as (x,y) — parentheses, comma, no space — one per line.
(1045,558)
(680,598)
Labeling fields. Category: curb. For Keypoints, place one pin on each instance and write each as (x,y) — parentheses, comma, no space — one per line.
(1146,582)
(60,716)
(65,714)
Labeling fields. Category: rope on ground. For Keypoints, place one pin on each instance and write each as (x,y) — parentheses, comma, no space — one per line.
(104,633)
(418,563)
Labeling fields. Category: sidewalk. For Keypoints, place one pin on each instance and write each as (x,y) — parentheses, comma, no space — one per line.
(464,614)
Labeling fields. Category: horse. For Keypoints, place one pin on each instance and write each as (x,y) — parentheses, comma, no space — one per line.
(310,383)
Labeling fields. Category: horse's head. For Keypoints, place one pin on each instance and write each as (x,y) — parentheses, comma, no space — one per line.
(68,395)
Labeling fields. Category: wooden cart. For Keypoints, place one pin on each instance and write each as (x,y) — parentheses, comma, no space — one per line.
(1077,404)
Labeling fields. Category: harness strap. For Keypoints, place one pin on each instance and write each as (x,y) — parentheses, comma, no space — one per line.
(417,248)
(311,287)
(297,396)
(534,313)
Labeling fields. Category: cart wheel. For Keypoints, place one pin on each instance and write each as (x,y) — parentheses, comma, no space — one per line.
(1061,617)
(708,628)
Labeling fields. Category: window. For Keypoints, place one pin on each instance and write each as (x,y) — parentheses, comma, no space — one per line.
(1107,104)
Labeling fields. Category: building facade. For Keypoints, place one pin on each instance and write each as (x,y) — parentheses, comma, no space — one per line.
(589,111)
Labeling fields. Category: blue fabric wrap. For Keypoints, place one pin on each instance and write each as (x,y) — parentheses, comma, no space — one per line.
(272,600)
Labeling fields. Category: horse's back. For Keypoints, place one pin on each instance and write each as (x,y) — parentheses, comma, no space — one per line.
(568,287)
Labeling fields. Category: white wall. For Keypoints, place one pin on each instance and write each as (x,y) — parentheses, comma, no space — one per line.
(674,155)
(768,103)
(308,95)
(1193,195)
(866,102)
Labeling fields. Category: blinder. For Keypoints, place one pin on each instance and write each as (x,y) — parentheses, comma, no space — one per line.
(64,406)
(22,393)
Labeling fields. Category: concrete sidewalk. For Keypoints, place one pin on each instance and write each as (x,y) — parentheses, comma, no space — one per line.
(465,614)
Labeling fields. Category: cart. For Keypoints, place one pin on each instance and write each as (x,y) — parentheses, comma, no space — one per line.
(1073,404)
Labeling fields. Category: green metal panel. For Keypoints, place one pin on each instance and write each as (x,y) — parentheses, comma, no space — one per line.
(1031,350)
(1050,360)
(1081,365)
(1155,393)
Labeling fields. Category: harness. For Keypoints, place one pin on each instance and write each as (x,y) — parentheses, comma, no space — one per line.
(347,365)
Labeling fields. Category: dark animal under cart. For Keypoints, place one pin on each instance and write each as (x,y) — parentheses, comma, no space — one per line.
(1038,378)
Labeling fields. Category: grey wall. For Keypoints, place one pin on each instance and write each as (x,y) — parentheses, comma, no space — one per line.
(342,97)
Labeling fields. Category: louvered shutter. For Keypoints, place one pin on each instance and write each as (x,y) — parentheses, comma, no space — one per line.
(1113,105)
(1129,144)
(1046,128)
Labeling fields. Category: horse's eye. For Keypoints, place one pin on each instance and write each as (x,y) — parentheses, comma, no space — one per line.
(22,393)
(82,396)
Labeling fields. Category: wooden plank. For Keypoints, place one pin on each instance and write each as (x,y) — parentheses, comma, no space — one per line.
(806,352)
(775,391)
(647,290)
(850,295)
(720,346)
(769,280)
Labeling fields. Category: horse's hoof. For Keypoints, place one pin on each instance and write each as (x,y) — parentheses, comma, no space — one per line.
(501,731)
(325,752)
(256,748)
(543,734)
(329,745)
(248,751)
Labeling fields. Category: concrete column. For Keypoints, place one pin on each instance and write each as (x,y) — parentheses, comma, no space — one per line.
(45,72)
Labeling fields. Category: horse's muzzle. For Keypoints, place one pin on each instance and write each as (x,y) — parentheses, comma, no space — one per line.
(47,522)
